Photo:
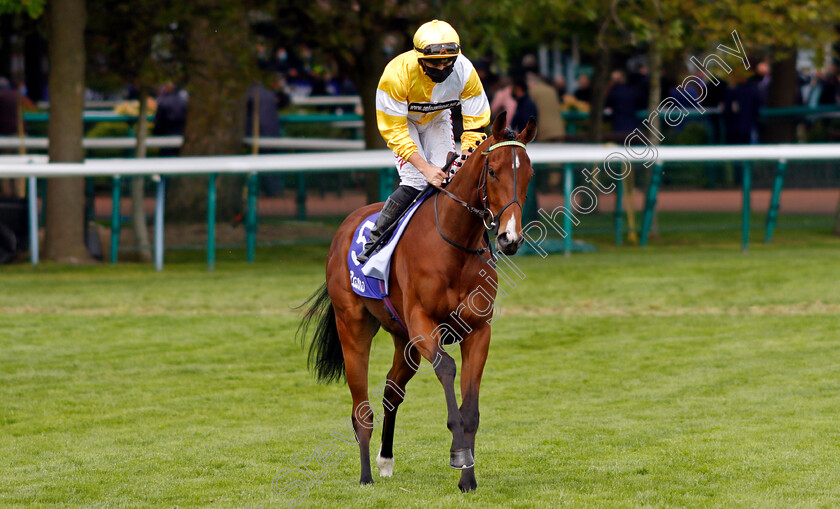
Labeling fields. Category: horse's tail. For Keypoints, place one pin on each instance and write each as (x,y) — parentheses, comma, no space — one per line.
(326,359)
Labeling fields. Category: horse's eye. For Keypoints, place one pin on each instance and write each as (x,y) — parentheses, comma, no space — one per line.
(492,173)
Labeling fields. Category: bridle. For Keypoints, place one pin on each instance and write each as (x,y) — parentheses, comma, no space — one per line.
(482,181)
(485,212)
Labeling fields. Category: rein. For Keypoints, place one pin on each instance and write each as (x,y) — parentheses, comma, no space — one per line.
(482,189)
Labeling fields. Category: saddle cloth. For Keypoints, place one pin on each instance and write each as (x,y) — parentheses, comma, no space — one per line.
(371,279)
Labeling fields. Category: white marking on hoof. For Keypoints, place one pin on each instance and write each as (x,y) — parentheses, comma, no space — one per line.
(386,465)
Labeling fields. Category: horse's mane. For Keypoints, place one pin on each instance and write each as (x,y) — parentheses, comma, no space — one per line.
(508,135)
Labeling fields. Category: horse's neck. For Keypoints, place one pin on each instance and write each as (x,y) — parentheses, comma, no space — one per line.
(458,223)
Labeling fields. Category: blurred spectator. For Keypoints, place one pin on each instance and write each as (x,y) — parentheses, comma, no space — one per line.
(171,115)
(347,86)
(525,106)
(491,86)
(8,108)
(132,93)
(639,81)
(269,126)
(762,78)
(318,82)
(741,107)
(740,115)
(807,83)
(560,87)
(503,99)
(829,86)
(264,58)
(529,63)
(482,68)
(715,94)
(762,85)
(282,62)
(549,121)
(621,102)
(282,96)
(583,92)
(300,77)
(550,125)
(714,102)
(391,45)
(688,103)
(269,122)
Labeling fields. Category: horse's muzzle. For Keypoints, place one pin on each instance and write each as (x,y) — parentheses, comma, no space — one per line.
(504,244)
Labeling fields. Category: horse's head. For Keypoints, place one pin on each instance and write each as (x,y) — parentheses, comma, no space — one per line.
(504,179)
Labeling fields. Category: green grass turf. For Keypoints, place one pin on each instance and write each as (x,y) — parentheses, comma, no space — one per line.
(683,374)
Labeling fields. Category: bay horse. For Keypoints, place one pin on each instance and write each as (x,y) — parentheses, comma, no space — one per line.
(439,261)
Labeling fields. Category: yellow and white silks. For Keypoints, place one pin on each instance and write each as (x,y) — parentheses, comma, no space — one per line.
(412,112)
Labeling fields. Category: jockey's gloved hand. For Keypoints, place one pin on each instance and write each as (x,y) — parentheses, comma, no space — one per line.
(449,168)
(434,175)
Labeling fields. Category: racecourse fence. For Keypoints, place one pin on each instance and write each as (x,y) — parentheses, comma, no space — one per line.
(608,158)
(29,143)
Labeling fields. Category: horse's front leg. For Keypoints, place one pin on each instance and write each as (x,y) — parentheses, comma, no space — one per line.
(473,356)
(421,329)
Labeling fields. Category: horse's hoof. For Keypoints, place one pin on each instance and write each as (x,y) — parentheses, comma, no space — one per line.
(461,459)
(364,481)
(467,486)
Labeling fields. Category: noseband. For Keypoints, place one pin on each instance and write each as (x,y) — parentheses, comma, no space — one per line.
(484,213)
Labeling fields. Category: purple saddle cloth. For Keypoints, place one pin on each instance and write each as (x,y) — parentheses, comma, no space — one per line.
(371,279)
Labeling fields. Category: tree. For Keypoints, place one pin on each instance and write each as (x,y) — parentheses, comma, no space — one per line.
(65,228)
(220,64)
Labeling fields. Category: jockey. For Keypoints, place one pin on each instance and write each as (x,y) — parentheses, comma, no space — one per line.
(413,99)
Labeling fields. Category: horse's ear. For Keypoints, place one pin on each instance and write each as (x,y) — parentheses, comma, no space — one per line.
(499,125)
(529,133)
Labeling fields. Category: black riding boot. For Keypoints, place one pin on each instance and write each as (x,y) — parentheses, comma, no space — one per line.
(394,206)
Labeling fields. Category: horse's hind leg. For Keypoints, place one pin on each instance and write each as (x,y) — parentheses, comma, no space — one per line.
(392,396)
(356,332)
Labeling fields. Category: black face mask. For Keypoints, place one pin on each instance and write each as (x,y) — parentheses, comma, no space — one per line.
(437,75)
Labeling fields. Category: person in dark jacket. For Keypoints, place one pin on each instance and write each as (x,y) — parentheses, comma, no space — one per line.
(622,102)
(525,106)
(269,122)
(583,92)
(8,108)
(171,115)
(740,115)
(740,112)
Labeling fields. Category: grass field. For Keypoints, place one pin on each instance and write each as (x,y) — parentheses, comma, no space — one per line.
(677,375)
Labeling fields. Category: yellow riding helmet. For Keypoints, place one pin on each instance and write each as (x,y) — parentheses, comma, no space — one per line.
(436,39)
